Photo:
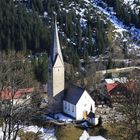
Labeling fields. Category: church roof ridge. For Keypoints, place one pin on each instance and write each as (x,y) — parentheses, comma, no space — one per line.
(73,94)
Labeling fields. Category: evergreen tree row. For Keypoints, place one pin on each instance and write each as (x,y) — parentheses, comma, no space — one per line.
(125,13)
(25,26)
(21,29)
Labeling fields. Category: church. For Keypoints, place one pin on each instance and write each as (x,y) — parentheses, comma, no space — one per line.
(74,101)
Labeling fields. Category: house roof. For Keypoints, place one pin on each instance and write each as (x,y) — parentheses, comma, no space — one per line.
(7,93)
(109,81)
(73,94)
(111,86)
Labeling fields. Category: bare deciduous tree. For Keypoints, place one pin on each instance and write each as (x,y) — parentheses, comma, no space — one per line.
(15,76)
(131,107)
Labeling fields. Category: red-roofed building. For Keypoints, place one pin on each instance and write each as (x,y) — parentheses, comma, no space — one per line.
(18,96)
(116,91)
(111,86)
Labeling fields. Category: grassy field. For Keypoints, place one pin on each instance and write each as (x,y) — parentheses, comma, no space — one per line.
(116,131)
(70,132)
(113,131)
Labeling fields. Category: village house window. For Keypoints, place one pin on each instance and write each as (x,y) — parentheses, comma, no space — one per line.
(49,70)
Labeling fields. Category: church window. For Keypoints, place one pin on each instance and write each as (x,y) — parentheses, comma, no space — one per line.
(49,70)
(65,105)
(73,108)
(68,106)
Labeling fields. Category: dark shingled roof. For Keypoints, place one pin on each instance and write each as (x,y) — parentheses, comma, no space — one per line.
(73,94)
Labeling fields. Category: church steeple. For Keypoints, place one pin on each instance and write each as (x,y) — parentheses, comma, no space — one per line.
(55,46)
(56,74)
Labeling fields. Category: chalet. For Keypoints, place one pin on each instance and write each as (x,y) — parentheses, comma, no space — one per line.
(74,101)
(116,91)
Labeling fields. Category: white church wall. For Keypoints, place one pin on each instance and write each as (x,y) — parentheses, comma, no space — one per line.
(93,121)
(69,109)
(84,104)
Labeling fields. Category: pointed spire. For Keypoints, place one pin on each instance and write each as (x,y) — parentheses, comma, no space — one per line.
(55,47)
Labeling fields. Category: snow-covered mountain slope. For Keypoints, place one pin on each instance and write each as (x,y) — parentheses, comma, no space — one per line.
(128,34)
(84,23)
(134,4)
(133,40)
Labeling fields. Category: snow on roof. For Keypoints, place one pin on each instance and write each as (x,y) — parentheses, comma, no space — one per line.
(113,80)
(121,79)
(109,81)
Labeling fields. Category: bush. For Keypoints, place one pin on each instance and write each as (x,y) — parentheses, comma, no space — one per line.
(68,132)
(29,135)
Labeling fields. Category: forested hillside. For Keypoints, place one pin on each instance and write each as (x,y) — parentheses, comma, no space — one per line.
(21,29)
(25,25)
(128,12)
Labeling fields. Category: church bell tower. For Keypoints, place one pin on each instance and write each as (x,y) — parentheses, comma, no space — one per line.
(56,78)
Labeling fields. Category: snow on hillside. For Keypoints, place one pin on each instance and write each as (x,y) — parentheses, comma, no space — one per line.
(133,5)
(46,134)
(118,24)
(128,1)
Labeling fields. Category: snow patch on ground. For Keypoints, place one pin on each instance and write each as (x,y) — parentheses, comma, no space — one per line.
(132,5)
(63,118)
(1,135)
(128,1)
(46,133)
(85,136)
